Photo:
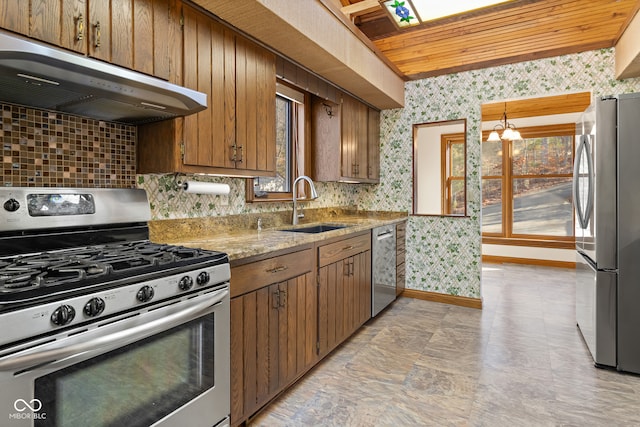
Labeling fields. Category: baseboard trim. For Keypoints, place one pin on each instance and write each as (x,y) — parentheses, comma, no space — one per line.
(493,259)
(443,298)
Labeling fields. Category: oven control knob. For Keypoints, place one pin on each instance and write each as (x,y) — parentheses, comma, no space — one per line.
(63,315)
(185,283)
(94,307)
(145,293)
(203,278)
(11,205)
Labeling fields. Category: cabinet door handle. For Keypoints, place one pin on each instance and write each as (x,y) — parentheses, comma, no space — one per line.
(347,248)
(241,154)
(79,27)
(346,269)
(278,269)
(283,298)
(234,152)
(97,26)
(276,299)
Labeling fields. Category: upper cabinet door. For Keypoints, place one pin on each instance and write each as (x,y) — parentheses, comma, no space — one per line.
(205,51)
(136,34)
(13,18)
(59,22)
(99,30)
(346,140)
(373,145)
(354,138)
(255,107)
(236,133)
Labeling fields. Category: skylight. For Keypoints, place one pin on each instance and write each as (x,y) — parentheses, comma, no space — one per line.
(407,13)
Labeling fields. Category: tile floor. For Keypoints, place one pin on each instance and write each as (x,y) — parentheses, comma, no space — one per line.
(520,361)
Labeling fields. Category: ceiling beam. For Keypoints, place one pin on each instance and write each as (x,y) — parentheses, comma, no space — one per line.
(362,8)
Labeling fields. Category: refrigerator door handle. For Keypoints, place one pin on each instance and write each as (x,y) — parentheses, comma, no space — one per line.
(583,212)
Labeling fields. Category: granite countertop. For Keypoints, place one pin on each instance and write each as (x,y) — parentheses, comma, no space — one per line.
(241,243)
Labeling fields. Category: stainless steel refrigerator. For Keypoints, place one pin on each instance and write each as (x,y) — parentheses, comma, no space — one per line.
(607,227)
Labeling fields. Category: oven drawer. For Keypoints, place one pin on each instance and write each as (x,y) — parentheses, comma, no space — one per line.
(346,248)
(255,275)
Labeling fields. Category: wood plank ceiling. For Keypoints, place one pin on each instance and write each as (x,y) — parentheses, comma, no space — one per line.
(517,31)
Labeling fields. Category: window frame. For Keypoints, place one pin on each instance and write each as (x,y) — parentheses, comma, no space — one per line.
(446,143)
(298,153)
(506,236)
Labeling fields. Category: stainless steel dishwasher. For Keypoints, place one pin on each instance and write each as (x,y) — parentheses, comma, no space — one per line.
(383,268)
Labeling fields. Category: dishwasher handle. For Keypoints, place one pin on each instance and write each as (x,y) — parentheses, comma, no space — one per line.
(21,362)
(384,235)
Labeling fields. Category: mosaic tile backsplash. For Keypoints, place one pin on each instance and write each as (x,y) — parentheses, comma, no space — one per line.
(49,149)
(443,253)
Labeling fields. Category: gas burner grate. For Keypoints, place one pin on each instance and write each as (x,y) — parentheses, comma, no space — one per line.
(77,267)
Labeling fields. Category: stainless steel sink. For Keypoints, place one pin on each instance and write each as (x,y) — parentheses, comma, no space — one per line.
(319,228)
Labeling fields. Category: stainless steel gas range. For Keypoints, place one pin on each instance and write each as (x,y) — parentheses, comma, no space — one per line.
(101,327)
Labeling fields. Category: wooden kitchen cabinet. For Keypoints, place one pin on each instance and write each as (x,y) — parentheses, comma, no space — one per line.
(373,145)
(346,141)
(133,34)
(58,22)
(344,290)
(273,328)
(401,231)
(235,135)
(13,18)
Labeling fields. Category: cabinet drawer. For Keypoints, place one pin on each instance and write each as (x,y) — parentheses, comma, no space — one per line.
(255,275)
(333,252)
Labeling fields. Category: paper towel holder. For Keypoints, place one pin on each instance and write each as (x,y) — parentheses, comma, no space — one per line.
(178,184)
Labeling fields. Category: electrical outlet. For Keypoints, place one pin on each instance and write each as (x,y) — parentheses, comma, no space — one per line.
(224,200)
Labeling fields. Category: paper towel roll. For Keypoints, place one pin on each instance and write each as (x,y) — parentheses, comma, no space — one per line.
(205,187)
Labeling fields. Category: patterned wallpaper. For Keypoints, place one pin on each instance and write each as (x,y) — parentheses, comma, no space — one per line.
(168,201)
(443,253)
(49,149)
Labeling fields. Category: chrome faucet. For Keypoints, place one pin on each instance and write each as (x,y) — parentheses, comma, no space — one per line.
(314,195)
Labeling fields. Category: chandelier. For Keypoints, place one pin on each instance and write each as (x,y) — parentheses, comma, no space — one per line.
(509,131)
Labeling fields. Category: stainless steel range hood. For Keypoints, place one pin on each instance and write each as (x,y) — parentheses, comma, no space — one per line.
(36,75)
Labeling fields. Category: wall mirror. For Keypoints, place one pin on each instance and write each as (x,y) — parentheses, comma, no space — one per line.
(439,168)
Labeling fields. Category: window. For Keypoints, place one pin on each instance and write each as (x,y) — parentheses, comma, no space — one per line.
(290,151)
(453,170)
(526,185)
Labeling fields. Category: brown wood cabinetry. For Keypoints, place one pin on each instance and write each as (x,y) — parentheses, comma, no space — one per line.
(133,34)
(344,290)
(346,141)
(401,231)
(235,135)
(290,310)
(273,328)
(13,17)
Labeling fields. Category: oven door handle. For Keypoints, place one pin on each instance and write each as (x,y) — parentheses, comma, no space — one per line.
(22,362)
